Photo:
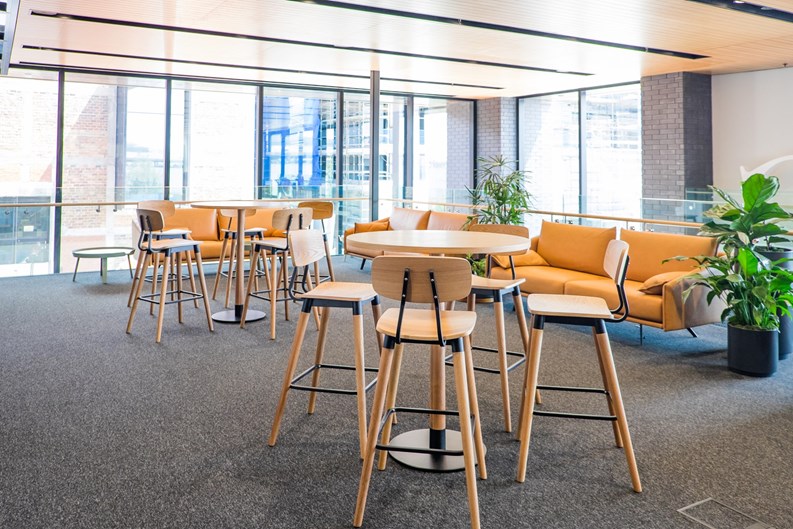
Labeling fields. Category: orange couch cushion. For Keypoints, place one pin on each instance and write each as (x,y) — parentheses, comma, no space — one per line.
(541,279)
(575,247)
(648,250)
(530,258)
(378,225)
(263,218)
(655,284)
(440,220)
(408,219)
(202,223)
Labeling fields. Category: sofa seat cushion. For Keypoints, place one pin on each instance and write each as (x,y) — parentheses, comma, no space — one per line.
(203,223)
(440,220)
(211,249)
(575,247)
(640,305)
(648,250)
(541,279)
(408,219)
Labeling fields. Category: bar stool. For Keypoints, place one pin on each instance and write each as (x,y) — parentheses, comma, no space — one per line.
(322,210)
(152,221)
(230,243)
(284,220)
(496,289)
(427,280)
(306,248)
(588,311)
(167,208)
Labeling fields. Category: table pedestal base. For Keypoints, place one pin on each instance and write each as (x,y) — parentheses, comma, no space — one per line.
(429,462)
(235,315)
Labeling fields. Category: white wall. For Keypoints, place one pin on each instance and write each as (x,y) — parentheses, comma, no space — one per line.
(752,124)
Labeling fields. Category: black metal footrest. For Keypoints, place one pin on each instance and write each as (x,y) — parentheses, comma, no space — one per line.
(412,449)
(567,415)
(316,367)
(155,298)
(495,370)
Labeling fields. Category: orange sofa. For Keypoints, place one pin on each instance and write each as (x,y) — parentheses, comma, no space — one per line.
(568,259)
(403,219)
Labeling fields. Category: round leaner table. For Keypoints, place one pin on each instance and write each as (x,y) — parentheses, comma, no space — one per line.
(235,315)
(437,242)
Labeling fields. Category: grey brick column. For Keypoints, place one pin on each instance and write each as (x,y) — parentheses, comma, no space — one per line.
(677,141)
(496,128)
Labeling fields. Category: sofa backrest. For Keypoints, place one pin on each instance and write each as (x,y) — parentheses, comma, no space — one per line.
(202,223)
(648,250)
(575,247)
(440,220)
(408,219)
(263,218)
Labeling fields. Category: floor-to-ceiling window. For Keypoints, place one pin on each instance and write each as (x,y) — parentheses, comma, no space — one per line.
(582,150)
(28,129)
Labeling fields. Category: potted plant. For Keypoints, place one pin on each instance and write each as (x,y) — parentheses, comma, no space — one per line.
(754,225)
(756,292)
(500,196)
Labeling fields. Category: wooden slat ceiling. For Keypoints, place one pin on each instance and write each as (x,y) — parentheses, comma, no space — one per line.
(328,44)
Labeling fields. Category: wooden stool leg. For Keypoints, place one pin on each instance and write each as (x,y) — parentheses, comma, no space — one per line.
(139,274)
(327,256)
(474,405)
(204,291)
(393,386)
(614,425)
(614,388)
(532,372)
(461,384)
(294,355)
(146,259)
(274,277)
(155,276)
(254,263)
(360,375)
(376,316)
(501,340)
(320,352)
(163,292)
(179,310)
(190,275)
(220,266)
(384,371)
(285,274)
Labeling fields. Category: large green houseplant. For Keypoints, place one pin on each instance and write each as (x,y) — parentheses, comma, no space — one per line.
(500,196)
(749,274)
(755,224)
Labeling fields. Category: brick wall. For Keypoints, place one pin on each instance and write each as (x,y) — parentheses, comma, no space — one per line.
(459,144)
(496,128)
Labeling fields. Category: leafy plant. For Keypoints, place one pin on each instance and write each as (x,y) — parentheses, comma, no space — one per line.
(500,192)
(755,290)
(753,224)
(478,265)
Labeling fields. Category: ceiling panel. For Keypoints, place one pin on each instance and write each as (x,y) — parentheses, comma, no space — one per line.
(290,42)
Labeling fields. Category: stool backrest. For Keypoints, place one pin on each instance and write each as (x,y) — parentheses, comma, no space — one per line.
(307,247)
(149,220)
(292,219)
(615,264)
(321,209)
(508,229)
(452,278)
(166,207)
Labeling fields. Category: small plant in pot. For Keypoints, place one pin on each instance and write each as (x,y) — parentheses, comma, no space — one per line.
(756,292)
(754,225)
(499,197)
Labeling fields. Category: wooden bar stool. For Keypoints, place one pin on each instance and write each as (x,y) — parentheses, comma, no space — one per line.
(306,248)
(428,280)
(230,243)
(151,221)
(593,312)
(322,210)
(167,208)
(495,290)
(284,221)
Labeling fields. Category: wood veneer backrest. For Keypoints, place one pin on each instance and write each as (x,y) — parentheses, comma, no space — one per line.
(150,219)
(452,277)
(281,218)
(321,209)
(508,229)
(306,246)
(615,262)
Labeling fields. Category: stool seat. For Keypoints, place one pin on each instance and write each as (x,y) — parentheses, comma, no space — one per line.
(479,282)
(248,232)
(419,324)
(174,232)
(571,306)
(279,243)
(160,245)
(343,291)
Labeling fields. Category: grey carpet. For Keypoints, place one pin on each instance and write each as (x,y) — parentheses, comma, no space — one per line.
(103,429)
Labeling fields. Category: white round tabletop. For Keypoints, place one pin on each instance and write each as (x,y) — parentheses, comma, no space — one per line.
(440,241)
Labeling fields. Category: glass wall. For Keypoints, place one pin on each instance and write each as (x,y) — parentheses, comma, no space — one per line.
(28,125)
(602,175)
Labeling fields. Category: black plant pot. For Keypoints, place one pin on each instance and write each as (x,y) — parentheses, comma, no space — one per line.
(752,353)
(785,322)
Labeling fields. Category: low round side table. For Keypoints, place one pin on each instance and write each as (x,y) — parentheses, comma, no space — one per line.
(103,253)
